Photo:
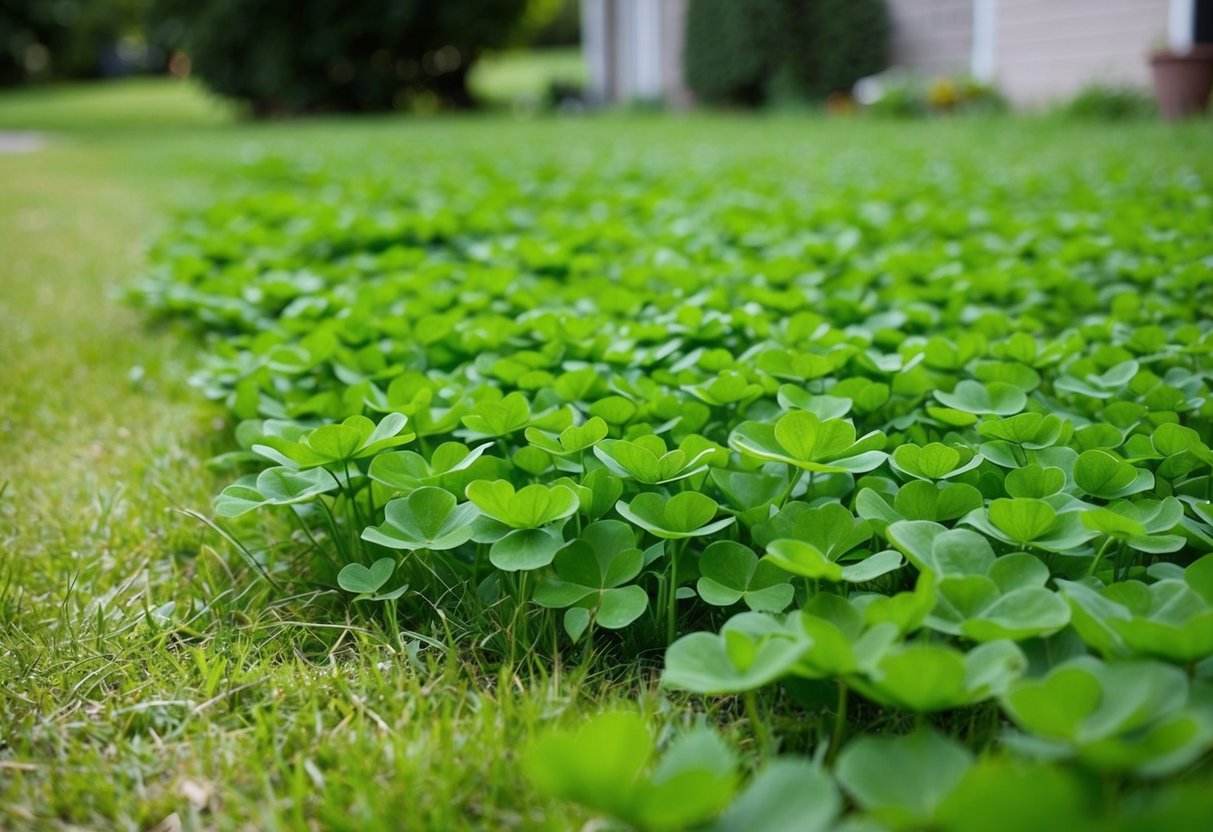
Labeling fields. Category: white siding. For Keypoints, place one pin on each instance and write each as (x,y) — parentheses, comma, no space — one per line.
(633,50)
(1049,49)
(932,36)
(673,33)
(596,45)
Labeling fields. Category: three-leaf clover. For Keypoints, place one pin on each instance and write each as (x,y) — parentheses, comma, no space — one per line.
(355,438)
(801,439)
(686,514)
(522,530)
(590,579)
(366,582)
(730,572)
(428,518)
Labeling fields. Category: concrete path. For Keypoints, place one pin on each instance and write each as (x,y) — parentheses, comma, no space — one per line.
(20,141)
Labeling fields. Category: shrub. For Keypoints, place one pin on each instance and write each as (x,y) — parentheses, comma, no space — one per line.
(324,55)
(558,24)
(1107,102)
(850,41)
(743,52)
(902,95)
(725,59)
(65,39)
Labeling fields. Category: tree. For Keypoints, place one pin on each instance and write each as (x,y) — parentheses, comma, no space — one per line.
(303,56)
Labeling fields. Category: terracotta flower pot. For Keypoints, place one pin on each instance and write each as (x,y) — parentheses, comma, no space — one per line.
(1182,81)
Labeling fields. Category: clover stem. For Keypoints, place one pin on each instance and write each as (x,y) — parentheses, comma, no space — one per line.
(761,734)
(352,497)
(332,520)
(1099,556)
(672,598)
(393,624)
(587,650)
(793,480)
(1021,456)
(312,538)
(370,501)
(840,722)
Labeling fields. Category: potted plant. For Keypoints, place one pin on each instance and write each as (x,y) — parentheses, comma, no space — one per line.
(1182,80)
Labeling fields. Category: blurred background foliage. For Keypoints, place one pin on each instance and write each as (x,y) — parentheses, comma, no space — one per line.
(58,39)
(281,56)
(305,56)
(751,53)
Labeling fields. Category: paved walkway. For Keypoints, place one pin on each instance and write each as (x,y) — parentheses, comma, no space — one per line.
(20,141)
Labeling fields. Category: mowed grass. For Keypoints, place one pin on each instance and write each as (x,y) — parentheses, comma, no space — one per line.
(250,709)
(247,714)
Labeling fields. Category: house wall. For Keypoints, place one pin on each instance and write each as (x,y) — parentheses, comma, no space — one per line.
(1035,50)
(932,36)
(673,27)
(1048,49)
(597,43)
(633,50)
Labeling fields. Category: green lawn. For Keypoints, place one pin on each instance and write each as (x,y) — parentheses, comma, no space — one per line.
(250,710)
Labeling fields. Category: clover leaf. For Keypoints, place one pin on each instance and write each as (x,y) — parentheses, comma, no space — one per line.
(354,577)
(408,470)
(1035,480)
(491,419)
(277,486)
(1171,618)
(572,440)
(823,407)
(1025,521)
(590,573)
(801,439)
(1008,600)
(1142,525)
(829,528)
(366,582)
(903,780)
(1099,385)
(798,557)
(920,500)
(788,794)
(525,549)
(686,514)
(527,508)
(730,572)
(935,548)
(752,650)
(934,461)
(694,780)
(996,398)
(750,494)
(1102,475)
(929,677)
(728,387)
(646,460)
(844,640)
(428,518)
(355,438)
(1127,716)
(1032,431)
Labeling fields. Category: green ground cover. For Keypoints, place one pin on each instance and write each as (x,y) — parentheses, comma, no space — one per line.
(940,385)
